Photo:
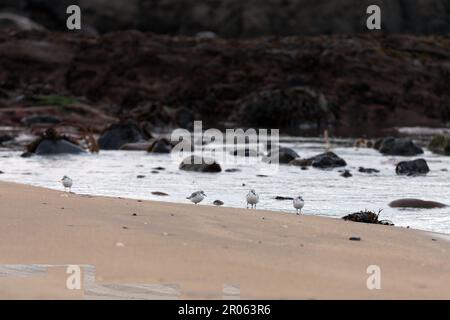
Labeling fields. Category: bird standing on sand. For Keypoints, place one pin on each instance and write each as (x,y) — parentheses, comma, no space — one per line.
(197,197)
(299,203)
(252,198)
(67,183)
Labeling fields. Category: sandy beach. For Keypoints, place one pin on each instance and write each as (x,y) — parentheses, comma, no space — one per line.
(199,249)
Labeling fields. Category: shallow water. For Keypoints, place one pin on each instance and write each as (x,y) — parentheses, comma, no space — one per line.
(114,173)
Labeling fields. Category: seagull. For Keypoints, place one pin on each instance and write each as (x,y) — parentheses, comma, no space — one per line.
(252,198)
(67,183)
(197,197)
(299,203)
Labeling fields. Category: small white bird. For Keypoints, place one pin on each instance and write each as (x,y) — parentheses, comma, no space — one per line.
(299,203)
(252,198)
(67,183)
(197,197)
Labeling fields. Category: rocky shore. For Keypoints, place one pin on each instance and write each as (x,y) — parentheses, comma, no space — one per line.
(351,85)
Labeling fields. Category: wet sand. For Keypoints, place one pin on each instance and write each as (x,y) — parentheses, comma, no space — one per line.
(183,251)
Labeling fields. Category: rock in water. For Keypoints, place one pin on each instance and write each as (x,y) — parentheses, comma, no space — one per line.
(284,155)
(118,135)
(200,164)
(368,170)
(218,203)
(346,174)
(54,147)
(412,168)
(327,160)
(160,146)
(440,145)
(416,204)
(399,147)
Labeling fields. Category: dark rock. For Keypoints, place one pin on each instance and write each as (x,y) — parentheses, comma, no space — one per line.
(346,174)
(26,154)
(399,147)
(1,172)
(232,170)
(416,203)
(155,171)
(200,164)
(159,168)
(44,119)
(262,176)
(140,177)
(5,138)
(327,160)
(284,155)
(138,146)
(301,162)
(218,203)
(411,168)
(161,194)
(55,147)
(280,198)
(160,146)
(119,134)
(368,170)
(354,238)
(440,145)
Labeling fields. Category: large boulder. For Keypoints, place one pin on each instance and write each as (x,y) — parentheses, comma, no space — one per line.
(440,145)
(412,168)
(399,147)
(200,164)
(416,204)
(56,147)
(283,154)
(120,134)
(323,161)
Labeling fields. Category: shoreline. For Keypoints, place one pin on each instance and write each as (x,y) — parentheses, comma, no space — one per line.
(199,249)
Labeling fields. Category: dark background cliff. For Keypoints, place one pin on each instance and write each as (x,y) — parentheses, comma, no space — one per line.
(238,18)
(332,74)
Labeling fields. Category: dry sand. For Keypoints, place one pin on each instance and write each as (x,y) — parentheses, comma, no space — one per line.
(198,249)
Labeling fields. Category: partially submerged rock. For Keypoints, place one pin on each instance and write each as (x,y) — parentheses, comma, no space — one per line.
(160,146)
(440,145)
(218,203)
(119,134)
(327,160)
(412,168)
(137,146)
(346,174)
(281,155)
(281,198)
(200,164)
(52,143)
(322,161)
(399,147)
(368,170)
(416,204)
